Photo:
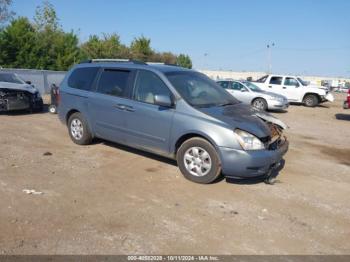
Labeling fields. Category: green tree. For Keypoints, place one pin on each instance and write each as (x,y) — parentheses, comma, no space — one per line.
(17,44)
(5,13)
(57,50)
(109,46)
(141,48)
(46,18)
(184,61)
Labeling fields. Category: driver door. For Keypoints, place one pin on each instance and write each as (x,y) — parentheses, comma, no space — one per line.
(240,92)
(148,125)
(291,89)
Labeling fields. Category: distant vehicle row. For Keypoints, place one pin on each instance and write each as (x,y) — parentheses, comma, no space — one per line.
(295,89)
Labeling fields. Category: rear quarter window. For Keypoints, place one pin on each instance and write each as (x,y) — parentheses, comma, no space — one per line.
(82,78)
(276,80)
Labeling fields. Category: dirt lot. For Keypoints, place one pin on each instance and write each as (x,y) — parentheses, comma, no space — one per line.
(107,199)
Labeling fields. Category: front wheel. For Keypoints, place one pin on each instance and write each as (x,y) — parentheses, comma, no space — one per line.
(198,161)
(310,100)
(260,104)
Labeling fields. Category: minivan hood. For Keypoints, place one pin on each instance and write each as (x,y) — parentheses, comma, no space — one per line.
(19,87)
(245,118)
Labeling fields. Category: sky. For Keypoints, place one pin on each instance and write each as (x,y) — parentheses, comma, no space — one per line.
(311,37)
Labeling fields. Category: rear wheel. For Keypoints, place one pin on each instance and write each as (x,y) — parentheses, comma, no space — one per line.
(310,100)
(198,161)
(78,129)
(260,104)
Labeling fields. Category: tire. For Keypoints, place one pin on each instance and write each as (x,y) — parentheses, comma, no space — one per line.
(53,109)
(202,166)
(310,100)
(260,104)
(81,135)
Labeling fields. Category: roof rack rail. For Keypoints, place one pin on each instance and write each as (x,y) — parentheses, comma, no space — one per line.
(162,63)
(111,60)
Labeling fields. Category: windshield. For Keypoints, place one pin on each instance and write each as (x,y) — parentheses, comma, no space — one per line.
(304,83)
(10,78)
(252,87)
(199,90)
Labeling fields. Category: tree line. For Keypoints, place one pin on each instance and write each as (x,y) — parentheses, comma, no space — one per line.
(43,44)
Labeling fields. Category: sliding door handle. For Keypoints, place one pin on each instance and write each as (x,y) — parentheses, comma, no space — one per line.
(124,107)
(120,106)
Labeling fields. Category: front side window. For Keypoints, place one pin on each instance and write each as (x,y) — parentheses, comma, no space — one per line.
(290,81)
(199,90)
(113,82)
(147,86)
(82,78)
(237,86)
(276,80)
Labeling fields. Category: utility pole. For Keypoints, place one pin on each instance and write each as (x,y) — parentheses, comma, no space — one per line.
(269,57)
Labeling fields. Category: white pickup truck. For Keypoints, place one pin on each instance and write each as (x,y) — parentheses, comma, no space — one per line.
(295,89)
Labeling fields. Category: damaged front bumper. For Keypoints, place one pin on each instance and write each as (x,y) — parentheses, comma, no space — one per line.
(11,100)
(327,98)
(249,164)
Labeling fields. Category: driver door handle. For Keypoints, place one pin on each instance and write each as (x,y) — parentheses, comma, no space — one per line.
(270,86)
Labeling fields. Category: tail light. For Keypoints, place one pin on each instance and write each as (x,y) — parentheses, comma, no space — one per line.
(58,96)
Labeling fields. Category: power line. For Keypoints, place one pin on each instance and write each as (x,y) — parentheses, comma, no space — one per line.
(313,49)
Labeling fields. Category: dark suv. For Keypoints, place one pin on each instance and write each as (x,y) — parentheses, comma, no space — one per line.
(174,112)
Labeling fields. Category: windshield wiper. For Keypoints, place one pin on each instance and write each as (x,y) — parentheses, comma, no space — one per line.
(227,104)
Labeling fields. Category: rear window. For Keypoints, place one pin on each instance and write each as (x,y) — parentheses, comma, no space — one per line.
(224,84)
(82,78)
(113,82)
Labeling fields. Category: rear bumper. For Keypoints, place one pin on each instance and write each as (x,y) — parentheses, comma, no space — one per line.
(248,164)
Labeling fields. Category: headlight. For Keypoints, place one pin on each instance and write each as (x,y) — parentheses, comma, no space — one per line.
(248,141)
(277,98)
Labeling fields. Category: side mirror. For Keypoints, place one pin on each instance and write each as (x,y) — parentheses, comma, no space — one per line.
(28,82)
(244,90)
(163,100)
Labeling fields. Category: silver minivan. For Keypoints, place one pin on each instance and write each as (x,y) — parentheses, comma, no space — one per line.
(174,112)
(251,94)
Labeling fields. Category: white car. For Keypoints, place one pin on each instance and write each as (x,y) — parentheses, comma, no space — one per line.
(251,94)
(295,89)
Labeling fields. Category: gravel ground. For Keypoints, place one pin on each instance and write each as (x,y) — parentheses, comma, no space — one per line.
(109,199)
